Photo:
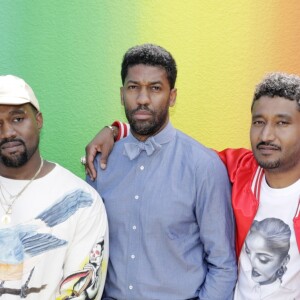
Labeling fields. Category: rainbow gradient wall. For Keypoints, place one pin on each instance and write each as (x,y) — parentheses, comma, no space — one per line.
(70,53)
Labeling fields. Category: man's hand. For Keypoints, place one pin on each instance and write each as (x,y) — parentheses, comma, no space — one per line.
(103,142)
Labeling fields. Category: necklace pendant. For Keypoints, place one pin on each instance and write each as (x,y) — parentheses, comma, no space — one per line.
(6,219)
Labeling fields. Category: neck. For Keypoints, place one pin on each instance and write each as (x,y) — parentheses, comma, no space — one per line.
(143,138)
(25,172)
(279,180)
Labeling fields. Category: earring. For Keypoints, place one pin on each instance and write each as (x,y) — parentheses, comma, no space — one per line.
(280,272)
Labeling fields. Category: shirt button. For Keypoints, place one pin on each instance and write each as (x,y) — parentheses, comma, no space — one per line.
(130,287)
(136,197)
(142,168)
(134,227)
(132,256)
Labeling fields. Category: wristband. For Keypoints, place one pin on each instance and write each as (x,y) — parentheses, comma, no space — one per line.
(112,130)
(123,129)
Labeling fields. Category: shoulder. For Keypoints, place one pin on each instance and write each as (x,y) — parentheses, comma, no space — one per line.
(236,154)
(238,161)
(68,182)
(116,156)
(201,161)
(62,173)
(196,151)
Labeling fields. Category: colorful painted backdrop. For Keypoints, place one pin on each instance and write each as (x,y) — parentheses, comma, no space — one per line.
(70,53)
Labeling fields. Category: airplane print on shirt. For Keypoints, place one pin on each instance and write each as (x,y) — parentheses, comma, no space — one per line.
(24,241)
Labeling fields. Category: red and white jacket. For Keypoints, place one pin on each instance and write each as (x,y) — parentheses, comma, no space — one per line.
(245,176)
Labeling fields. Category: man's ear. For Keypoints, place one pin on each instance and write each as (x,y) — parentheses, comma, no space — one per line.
(39,120)
(172,98)
(122,94)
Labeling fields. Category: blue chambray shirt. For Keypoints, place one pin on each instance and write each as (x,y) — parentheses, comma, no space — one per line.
(171,225)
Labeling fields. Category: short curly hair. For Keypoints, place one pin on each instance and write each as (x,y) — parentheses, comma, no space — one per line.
(279,84)
(151,55)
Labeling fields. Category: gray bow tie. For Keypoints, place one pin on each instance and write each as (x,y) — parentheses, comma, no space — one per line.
(133,150)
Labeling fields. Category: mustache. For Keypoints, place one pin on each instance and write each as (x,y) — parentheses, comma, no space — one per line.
(268,145)
(142,107)
(4,141)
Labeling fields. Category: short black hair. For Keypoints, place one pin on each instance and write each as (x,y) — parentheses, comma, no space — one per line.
(279,84)
(151,55)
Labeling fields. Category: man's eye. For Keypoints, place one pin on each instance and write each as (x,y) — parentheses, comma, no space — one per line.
(155,88)
(282,123)
(18,120)
(132,87)
(257,123)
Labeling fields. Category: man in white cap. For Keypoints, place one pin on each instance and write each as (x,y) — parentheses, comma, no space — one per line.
(53,226)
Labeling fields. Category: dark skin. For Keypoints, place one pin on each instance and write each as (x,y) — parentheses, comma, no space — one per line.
(20,127)
(103,142)
(146,97)
(274,135)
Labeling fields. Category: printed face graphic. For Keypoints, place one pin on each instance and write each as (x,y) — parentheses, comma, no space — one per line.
(265,261)
(96,254)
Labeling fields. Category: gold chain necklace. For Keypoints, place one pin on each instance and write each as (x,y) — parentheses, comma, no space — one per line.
(8,211)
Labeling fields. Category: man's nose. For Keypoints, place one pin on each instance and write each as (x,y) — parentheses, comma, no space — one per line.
(143,96)
(7,131)
(268,133)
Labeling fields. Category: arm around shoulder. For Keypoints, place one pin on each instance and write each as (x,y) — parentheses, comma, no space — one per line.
(103,142)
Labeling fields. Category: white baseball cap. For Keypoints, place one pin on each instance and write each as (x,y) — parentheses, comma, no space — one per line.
(15,91)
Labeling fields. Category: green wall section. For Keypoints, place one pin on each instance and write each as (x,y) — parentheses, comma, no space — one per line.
(70,53)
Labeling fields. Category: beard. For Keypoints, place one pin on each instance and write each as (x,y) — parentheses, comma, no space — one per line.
(269,165)
(265,164)
(149,127)
(19,159)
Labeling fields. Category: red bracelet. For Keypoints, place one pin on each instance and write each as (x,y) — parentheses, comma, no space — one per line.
(123,129)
